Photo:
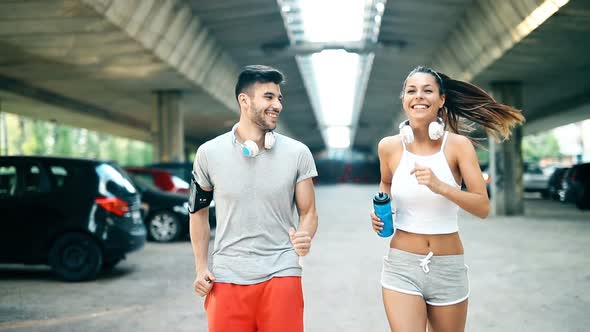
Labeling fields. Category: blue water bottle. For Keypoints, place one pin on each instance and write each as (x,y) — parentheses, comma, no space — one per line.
(382,206)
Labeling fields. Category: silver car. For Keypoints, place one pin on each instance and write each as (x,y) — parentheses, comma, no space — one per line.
(535,180)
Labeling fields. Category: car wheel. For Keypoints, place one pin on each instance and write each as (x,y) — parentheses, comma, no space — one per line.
(163,226)
(75,257)
(110,264)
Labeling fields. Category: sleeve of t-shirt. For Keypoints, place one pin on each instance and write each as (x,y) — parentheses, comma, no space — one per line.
(201,168)
(306,167)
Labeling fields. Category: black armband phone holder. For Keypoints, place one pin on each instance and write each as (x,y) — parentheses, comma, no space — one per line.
(197,197)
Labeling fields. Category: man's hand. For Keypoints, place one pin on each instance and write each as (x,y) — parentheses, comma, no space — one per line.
(204,282)
(300,240)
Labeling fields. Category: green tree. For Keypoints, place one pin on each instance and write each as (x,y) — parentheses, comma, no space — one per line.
(13,133)
(28,140)
(93,149)
(40,132)
(31,136)
(539,146)
(63,141)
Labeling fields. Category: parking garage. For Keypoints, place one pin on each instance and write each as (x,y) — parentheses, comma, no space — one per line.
(161,74)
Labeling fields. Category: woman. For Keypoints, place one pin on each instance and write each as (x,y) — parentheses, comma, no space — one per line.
(424,277)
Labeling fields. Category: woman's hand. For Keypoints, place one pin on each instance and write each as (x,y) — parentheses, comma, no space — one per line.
(425,176)
(376,222)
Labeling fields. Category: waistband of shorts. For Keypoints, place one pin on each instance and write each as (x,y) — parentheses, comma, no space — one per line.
(405,255)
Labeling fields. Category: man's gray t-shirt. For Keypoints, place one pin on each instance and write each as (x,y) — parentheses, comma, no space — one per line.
(255,206)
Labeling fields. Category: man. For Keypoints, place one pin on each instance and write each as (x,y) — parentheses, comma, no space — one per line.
(258,177)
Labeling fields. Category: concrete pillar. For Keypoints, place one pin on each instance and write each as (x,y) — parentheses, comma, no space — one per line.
(3,133)
(168,127)
(509,200)
(494,175)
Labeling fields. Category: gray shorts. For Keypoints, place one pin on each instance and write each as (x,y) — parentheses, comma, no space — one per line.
(440,280)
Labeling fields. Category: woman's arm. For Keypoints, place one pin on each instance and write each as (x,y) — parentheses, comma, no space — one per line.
(386,149)
(475,200)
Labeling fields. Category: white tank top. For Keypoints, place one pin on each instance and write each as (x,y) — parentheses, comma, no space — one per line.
(417,208)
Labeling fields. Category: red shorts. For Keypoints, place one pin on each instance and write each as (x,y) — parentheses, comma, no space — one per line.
(271,306)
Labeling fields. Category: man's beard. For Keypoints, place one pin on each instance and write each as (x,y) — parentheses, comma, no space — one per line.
(260,120)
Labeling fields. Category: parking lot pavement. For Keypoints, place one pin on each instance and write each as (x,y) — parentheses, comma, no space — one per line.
(527,274)
(150,291)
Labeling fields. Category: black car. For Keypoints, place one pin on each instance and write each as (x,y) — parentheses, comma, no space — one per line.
(576,186)
(165,214)
(555,181)
(76,215)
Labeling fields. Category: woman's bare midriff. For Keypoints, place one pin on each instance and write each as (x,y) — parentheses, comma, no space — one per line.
(439,244)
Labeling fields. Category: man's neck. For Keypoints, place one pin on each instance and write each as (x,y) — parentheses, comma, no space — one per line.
(249,131)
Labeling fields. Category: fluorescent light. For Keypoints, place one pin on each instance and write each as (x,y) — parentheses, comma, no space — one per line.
(332,20)
(335,74)
(338,137)
(335,80)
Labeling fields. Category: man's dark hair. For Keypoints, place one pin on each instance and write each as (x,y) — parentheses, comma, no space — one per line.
(257,74)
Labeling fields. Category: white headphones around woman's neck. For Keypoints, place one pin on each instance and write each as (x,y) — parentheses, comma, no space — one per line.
(435,130)
(249,147)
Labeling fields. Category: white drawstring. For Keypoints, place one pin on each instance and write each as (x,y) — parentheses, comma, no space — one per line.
(425,261)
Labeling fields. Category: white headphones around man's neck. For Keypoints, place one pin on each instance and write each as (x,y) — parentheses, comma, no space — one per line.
(249,147)
(435,130)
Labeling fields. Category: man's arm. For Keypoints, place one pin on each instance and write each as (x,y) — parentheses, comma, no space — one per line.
(308,217)
(200,234)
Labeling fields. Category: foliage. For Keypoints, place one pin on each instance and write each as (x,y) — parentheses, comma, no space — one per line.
(35,137)
(539,146)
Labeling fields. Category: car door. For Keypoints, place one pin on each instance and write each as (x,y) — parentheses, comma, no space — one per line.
(38,212)
(11,242)
(24,209)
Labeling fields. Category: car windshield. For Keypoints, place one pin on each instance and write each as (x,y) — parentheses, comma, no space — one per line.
(143,184)
(533,169)
(113,181)
(179,183)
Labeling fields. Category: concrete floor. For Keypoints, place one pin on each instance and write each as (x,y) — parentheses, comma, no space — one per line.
(527,274)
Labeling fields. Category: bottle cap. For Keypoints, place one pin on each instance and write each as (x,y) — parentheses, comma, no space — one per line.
(381,198)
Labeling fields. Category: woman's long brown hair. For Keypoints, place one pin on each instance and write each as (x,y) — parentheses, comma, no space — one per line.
(465,101)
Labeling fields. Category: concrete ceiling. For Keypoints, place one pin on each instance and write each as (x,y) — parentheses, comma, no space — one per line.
(71,52)
(417,30)
(553,64)
(245,28)
(101,60)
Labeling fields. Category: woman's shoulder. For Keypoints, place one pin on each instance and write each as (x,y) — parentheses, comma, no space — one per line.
(459,142)
(390,144)
(458,138)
